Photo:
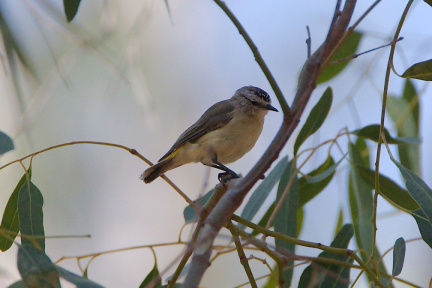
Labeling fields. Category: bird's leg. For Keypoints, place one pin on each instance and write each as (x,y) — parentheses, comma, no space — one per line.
(222,176)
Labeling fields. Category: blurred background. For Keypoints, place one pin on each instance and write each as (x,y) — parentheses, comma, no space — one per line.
(138,74)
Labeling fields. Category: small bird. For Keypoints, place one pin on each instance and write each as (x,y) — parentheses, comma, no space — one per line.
(224,133)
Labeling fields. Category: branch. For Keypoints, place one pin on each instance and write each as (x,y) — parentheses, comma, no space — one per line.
(235,195)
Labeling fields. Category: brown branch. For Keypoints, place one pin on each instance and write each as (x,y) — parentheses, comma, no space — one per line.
(235,195)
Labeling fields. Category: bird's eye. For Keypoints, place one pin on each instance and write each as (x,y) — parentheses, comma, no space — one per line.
(254,102)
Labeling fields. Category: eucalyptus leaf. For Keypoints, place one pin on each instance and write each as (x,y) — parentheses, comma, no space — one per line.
(152,278)
(372,132)
(424,225)
(71,8)
(79,281)
(398,256)
(421,71)
(326,173)
(6,143)
(189,212)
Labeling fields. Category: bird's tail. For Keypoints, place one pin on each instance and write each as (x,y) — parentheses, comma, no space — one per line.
(157,170)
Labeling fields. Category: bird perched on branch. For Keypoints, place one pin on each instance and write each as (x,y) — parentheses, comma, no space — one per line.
(224,133)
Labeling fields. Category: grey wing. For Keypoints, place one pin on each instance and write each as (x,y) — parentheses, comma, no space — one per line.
(214,118)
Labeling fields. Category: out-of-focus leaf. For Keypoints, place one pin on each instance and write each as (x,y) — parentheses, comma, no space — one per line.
(152,278)
(315,119)
(272,280)
(339,221)
(372,132)
(259,196)
(189,212)
(30,202)
(421,71)
(398,256)
(389,189)
(6,143)
(361,203)
(309,190)
(412,98)
(330,275)
(182,273)
(18,284)
(329,171)
(176,285)
(286,218)
(347,48)
(425,226)
(36,268)
(10,222)
(71,8)
(79,281)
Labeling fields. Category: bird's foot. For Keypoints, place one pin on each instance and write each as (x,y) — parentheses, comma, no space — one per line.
(224,177)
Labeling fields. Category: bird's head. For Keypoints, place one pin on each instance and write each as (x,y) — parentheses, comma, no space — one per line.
(254,96)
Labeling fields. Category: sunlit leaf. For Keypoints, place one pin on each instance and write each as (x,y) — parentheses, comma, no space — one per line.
(389,189)
(36,268)
(421,71)
(372,132)
(315,119)
(30,202)
(10,222)
(286,218)
(398,256)
(259,196)
(79,281)
(71,8)
(152,278)
(347,48)
(6,143)
(330,275)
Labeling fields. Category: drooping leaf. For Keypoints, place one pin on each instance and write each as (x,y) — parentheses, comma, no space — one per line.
(6,143)
(315,119)
(36,268)
(347,48)
(79,281)
(308,190)
(10,222)
(330,275)
(152,278)
(398,256)
(30,202)
(189,212)
(389,189)
(372,132)
(71,8)
(259,196)
(361,203)
(421,71)
(425,226)
(286,218)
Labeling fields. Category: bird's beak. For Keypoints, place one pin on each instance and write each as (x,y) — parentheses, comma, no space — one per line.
(270,107)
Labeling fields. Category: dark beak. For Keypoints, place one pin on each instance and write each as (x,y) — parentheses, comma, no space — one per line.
(270,107)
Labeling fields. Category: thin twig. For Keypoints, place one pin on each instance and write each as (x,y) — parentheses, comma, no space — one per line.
(308,42)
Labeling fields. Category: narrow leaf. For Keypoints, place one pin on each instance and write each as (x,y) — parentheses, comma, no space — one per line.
(309,190)
(425,226)
(259,196)
(286,218)
(329,171)
(421,71)
(330,275)
(347,48)
(36,268)
(152,278)
(189,212)
(10,222)
(315,119)
(71,8)
(389,189)
(79,281)
(372,132)
(398,256)
(30,202)
(6,143)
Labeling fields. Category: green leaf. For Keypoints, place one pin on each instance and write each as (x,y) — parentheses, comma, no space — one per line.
(425,226)
(315,119)
(326,173)
(152,278)
(346,49)
(79,281)
(286,218)
(361,202)
(10,222)
(398,256)
(36,268)
(6,143)
(18,284)
(309,190)
(412,98)
(189,212)
(421,71)
(272,280)
(330,275)
(372,132)
(389,189)
(340,221)
(71,8)
(30,202)
(176,285)
(259,196)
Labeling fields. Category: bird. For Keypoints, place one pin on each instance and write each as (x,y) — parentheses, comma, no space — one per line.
(224,133)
